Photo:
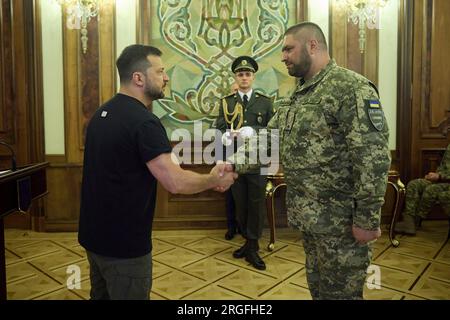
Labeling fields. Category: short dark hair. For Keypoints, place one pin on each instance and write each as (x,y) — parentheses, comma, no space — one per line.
(134,58)
(312,29)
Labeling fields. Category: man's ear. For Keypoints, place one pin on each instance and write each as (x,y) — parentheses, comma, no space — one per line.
(138,79)
(313,45)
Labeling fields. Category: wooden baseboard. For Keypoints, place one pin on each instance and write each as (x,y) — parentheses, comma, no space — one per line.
(64,226)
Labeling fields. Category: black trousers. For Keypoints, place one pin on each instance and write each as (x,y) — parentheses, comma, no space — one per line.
(249,200)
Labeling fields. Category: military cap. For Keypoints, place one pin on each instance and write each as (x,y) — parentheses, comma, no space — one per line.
(244,63)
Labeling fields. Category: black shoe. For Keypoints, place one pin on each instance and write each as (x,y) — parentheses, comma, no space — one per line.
(240,253)
(255,260)
(230,234)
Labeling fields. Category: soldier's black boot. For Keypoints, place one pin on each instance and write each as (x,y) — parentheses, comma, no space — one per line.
(252,255)
(240,253)
(230,233)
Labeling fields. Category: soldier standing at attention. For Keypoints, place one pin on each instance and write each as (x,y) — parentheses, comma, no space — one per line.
(422,194)
(335,155)
(249,189)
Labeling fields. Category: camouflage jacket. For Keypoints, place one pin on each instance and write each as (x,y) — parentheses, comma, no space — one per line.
(444,167)
(334,151)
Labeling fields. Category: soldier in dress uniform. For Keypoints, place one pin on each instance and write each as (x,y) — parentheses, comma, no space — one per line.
(247,108)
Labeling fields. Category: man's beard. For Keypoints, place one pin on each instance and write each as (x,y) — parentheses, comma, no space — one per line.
(152,92)
(301,69)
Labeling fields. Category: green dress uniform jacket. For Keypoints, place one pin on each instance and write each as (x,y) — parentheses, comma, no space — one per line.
(257,114)
(249,189)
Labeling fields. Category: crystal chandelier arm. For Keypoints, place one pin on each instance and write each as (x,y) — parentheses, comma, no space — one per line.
(364,13)
(79,13)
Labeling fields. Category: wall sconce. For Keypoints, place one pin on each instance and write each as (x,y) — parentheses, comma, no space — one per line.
(363,13)
(79,13)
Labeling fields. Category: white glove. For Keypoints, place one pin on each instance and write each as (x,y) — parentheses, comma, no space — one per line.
(226,139)
(247,132)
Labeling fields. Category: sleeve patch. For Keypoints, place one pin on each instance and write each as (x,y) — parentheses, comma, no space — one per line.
(375,113)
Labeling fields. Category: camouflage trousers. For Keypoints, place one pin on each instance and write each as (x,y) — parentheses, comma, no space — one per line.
(336,266)
(421,195)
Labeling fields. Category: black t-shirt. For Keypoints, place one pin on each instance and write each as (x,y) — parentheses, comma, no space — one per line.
(118,193)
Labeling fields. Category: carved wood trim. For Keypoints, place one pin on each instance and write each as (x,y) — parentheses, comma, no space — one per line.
(338,35)
(302,10)
(6,74)
(430,126)
(144,21)
(36,108)
(404,87)
(90,79)
(107,52)
(344,45)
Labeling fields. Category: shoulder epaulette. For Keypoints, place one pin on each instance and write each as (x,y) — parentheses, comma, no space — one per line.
(262,95)
(230,95)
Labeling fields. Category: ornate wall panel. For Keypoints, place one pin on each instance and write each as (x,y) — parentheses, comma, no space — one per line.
(89,80)
(200,39)
(438,95)
(344,45)
(430,97)
(21,121)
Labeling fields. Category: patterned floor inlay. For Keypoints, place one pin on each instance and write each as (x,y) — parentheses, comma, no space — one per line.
(198,265)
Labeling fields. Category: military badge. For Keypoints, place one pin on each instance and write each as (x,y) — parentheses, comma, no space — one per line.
(260,118)
(375,113)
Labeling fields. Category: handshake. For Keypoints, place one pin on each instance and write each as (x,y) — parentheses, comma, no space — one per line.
(223,176)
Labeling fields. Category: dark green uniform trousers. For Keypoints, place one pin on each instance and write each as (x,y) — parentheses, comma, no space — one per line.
(249,198)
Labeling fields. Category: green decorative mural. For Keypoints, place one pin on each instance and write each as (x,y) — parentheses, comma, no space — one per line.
(201,38)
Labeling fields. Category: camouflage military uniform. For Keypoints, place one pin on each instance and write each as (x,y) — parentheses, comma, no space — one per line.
(335,155)
(422,194)
(249,189)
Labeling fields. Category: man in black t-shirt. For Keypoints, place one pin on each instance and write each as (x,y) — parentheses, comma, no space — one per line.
(126,152)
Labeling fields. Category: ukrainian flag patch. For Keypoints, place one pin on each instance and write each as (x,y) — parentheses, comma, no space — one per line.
(375,114)
(374,104)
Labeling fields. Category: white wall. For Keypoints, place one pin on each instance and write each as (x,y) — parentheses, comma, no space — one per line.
(53,76)
(318,12)
(125,26)
(387,66)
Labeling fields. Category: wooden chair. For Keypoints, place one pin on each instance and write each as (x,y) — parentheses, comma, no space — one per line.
(394,198)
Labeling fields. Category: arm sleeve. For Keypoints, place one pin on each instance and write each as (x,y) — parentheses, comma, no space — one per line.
(444,167)
(270,113)
(266,137)
(369,155)
(152,140)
